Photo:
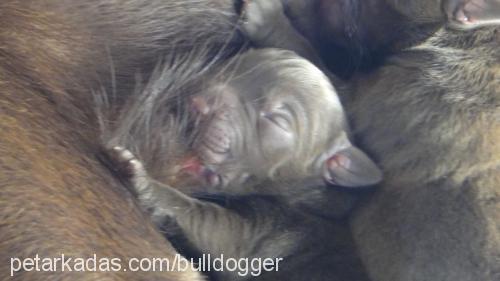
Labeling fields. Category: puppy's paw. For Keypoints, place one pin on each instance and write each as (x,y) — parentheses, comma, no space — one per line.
(260,18)
(126,164)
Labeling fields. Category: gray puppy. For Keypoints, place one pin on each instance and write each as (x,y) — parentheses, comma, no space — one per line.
(275,125)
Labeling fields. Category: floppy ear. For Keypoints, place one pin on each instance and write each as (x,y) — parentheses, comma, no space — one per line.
(351,167)
(472,13)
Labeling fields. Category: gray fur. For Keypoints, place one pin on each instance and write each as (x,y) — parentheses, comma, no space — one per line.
(278,216)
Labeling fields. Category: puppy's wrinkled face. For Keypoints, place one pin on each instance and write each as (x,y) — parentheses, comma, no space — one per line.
(278,118)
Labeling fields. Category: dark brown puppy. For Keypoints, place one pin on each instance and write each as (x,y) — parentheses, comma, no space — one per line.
(55,197)
(431,116)
(437,134)
(353,36)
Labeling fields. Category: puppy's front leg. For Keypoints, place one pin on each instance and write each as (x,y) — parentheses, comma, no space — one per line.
(162,201)
(209,227)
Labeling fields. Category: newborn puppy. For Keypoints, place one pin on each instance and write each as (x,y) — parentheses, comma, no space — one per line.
(274,124)
(278,117)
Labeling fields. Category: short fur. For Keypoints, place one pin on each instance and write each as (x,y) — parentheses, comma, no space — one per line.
(55,196)
(441,202)
(431,116)
(283,217)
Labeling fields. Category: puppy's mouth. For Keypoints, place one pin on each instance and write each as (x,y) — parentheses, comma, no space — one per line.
(195,168)
(215,138)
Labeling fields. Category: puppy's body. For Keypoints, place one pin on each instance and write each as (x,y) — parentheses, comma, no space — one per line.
(302,243)
(288,136)
(441,150)
(431,116)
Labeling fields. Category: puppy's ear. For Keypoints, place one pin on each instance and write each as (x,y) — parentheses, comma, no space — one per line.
(469,14)
(343,164)
(351,167)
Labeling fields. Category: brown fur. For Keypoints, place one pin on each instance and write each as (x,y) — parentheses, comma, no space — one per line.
(55,197)
(436,133)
